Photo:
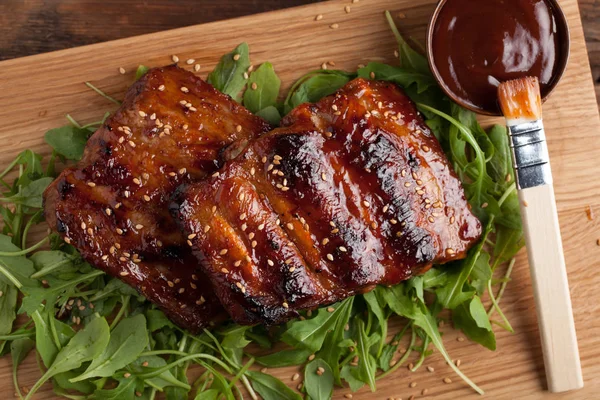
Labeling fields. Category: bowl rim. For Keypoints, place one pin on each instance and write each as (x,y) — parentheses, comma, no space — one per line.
(561,22)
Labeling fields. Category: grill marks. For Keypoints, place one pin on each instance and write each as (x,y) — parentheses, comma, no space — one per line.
(113,206)
(351,192)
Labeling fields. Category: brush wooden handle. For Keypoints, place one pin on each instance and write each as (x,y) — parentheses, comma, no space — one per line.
(551,288)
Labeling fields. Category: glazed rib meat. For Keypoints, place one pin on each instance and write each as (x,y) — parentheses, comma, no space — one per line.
(113,205)
(351,192)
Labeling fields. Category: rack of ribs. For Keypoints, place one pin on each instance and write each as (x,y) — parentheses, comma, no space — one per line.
(351,192)
(172,128)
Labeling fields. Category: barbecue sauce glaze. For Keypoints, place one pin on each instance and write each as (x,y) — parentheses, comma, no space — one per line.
(478,44)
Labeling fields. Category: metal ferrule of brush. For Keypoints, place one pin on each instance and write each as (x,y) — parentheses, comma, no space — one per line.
(530,154)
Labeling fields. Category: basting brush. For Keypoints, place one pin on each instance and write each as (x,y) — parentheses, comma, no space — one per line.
(521,105)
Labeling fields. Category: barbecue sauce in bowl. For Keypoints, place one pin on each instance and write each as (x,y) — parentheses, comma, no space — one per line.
(474,45)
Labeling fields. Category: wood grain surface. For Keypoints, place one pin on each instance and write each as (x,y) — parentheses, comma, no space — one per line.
(39,26)
(38,91)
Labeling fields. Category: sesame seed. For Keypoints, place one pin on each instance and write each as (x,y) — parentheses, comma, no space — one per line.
(261,227)
(452,219)
(175,58)
(161,87)
(181,290)
(430,369)
(460,339)
(200,301)
(184,89)
(224,270)
(246,76)
(131,143)
(320,371)
(238,128)
(254,243)
(334,231)
(190,61)
(236,57)
(425,148)
(330,257)
(141,113)
(122,70)
(366,203)
(431,219)
(348,395)
(484,205)
(105,257)
(91,184)
(223,252)
(330,309)
(285,305)
(525,203)
(197,67)
(372,75)
(347,9)
(251,235)
(311,357)
(292,269)
(206,229)
(412,384)
(139,226)
(254,86)
(295,376)
(458,362)
(319,17)
(447,380)
(270,262)
(450,251)
(343,249)
(334,26)
(424,392)
(182,171)
(123,273)
(146,197)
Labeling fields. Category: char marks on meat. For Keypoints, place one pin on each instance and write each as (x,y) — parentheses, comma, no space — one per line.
(113,205)
(351,192)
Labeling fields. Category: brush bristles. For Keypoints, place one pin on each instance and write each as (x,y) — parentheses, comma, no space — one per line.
(520,99)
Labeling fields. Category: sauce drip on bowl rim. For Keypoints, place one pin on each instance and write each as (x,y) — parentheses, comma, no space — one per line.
(476,45)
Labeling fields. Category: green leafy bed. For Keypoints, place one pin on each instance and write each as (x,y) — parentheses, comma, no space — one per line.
(96,338)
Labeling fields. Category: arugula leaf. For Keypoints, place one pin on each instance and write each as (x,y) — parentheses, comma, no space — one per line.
(409,58)
(127,341)
(318,380)
(62,381)
(68,141)
(31,195)
(310,333)
(481,273)
(8,303)
(469,318)
(349,374)
(271,388)
(424,320)
(33,167)
(270,114)
(398,75)
(284,358)
(86,345)
(267,85)
(452,294)
(367,366)
(141,71)
(333,347)
(157,320)
(228,75)
(125,390)
(314,86)
(18,350)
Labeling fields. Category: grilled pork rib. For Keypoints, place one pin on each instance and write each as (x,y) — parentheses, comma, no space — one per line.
(113,205)
(351,192)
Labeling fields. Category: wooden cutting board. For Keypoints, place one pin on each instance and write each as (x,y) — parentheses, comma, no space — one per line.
(36,92)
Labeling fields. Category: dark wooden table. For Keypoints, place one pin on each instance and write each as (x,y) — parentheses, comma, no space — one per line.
(36,26)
